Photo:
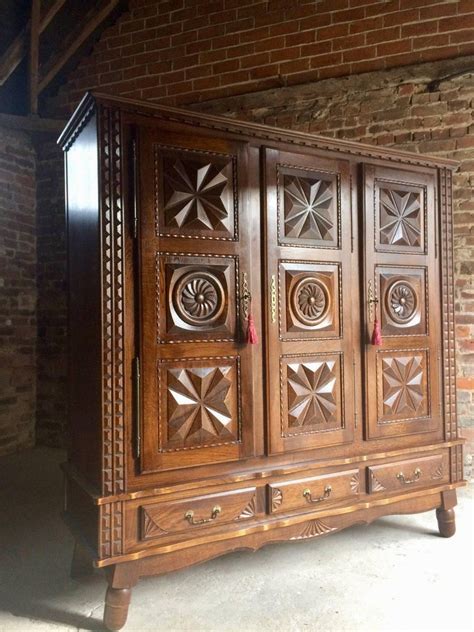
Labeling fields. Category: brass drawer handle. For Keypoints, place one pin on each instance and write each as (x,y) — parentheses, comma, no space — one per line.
(189,516)
(273,298)
(309,499)
(408,481)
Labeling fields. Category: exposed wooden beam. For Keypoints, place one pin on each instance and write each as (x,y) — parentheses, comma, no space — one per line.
(52,68)
(32,124)
(18,48)
(34,55)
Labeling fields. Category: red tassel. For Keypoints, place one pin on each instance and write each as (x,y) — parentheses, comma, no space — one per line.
(252,338)
(377,334)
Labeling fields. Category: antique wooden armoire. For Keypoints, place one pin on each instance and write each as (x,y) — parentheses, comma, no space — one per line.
(191,436)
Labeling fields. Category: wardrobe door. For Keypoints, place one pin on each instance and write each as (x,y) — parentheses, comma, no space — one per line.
(309,312)
(200,383)
(402,289)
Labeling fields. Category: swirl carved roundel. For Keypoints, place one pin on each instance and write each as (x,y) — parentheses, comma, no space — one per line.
(402,301)
(199,298)
(310,301)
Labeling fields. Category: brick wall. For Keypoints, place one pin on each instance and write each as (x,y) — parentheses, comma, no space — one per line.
(17,291)
(51,283)
(181,51)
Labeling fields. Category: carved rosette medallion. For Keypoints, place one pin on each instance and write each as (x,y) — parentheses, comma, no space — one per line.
(199,298)
(401,301)
(310,301)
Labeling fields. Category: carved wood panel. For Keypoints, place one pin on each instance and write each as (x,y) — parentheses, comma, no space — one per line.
(309,298)
(199,403)
(403,385)
(308,207)
(400,216)
(403,300)
(202,298)
(195,193)
(311,388)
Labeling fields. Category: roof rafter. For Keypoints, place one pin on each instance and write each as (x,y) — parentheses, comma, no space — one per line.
(18,48)
(56,63)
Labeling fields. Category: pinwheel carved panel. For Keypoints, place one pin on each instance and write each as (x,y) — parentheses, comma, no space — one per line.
(199,403)
(201,298)
(400,217)
(402,385)
(404,300)
(309,208)
(195,193)
(309,300)
(311,394)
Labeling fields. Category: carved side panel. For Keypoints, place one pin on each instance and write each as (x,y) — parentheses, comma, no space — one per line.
(312,392)
(111,529)
(199,403)
(202,298)
(400,217)
(448,305)
(457,464)
(195,193)
(112,301)
(308,207)
(309,300)
(403,385)
(403,293)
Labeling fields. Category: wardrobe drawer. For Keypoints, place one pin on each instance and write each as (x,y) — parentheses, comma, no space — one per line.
(189,514)
(307,493)
(404,475)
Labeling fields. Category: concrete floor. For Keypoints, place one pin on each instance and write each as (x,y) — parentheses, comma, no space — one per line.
(393,575)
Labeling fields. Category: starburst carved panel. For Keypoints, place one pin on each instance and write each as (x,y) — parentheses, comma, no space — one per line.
(201,298)
(403,385)
(309,204)
(404,306)
(400,217)
(309,299)
(311,394)
(195,193)
(199,404)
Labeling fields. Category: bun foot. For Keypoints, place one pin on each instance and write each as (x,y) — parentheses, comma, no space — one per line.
(446,522)
(117,601)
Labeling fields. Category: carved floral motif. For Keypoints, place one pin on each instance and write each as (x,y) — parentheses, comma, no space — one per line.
(402,301)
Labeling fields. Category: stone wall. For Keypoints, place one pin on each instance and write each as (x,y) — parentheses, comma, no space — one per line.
(17,291)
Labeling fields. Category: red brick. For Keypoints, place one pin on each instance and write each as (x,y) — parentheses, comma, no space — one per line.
(254,60)
(305,37)
(430,41)
(383,35)
(226,66)
(419,28)
(351,41)
(286,54)
(401,17)
(290,67)
(357,54)
(457,23)
(239,25)
(316,49)
(270,44)
(332,59)
(331,32)
(393,48)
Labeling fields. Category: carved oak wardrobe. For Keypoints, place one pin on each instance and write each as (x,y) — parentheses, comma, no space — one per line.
(261,338)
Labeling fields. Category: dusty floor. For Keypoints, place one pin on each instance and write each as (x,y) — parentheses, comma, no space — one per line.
(393,575)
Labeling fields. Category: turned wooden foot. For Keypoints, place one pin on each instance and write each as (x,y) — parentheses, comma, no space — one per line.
(117,601)
(121,578)
(81,564)
(446,522)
